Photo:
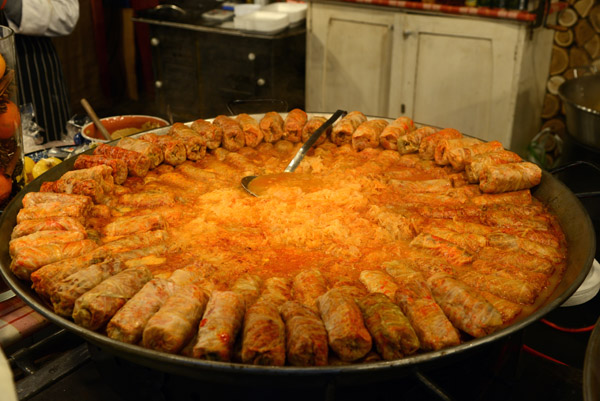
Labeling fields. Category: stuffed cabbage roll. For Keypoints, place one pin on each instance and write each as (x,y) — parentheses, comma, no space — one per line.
(263,336)
(211,133)
(306,337)
(119,167)
(277,290)
(522,197)
(32,199)
(127,225)
(429,143)
(505,287)
(46,278)
(30,259)
(346,332)
(444,146)
(47,224)
(471,243)
(459,157)
(219,326)
(137,164)
(173,150)
(87,187)
(15,246)
(307,286)
(343,129)
(367,134)
(431,325)
(135,241)
(253,136)
(378,281)
(176,322)
(195,143)
(446,250)
(128,324)
(410,142)
(396,129)
(507,241)
(391,331)
(150,150)
(66,291)
(465,308)
(233,136)
(56,209)
(248,287)
(509,177)
(479,162)
(518,258)
(95,308)
(294,124)
(311,126)
(271,126)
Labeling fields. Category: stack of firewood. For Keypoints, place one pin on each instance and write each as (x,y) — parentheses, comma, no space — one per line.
(576,46)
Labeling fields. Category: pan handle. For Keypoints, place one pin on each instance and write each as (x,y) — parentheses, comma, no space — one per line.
(558,169)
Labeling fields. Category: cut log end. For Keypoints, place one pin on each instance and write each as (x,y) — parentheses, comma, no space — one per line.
(551,106)
(564,38)
(559,61)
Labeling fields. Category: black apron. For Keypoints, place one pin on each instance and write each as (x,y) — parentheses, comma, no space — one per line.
(41,82)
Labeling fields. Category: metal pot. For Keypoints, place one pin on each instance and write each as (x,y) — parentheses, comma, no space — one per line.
(581,97)
(581,248)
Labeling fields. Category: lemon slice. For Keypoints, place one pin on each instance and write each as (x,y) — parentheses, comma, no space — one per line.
(44,165)
(28,168)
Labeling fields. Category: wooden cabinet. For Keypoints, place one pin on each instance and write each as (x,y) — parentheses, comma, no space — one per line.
(483,77)
(199,70)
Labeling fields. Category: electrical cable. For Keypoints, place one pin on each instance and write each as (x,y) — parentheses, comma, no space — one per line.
(568,329)
(532,351)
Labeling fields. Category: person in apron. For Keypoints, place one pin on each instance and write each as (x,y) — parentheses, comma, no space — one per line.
(40,76)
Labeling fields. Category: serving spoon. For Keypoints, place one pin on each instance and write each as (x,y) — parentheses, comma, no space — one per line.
(301,152)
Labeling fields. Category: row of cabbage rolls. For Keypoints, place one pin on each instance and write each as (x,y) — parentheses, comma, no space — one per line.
(495,169)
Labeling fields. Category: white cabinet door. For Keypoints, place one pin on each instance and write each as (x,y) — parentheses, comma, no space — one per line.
(460,74)
(349,54)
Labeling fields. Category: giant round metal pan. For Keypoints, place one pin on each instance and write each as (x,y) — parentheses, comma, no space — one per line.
(581,247)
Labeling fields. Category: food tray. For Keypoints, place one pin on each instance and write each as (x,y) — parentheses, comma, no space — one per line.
(268,22)
(296,11)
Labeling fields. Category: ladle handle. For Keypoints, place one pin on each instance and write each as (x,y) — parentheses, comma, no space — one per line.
(311,141)
(90,112)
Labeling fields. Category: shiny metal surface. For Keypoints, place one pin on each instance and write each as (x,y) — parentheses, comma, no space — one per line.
(572,217)
(581,97)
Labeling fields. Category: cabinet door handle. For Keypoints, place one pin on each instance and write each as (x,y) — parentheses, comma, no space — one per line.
(251,56)
(406,33)
(154,42)
(158,84)
(260,82)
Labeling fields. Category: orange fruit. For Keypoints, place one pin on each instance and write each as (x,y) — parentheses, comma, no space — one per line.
(2,66)
(10,120)
(5,187)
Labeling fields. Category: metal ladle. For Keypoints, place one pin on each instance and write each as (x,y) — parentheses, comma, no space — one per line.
(301,152)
